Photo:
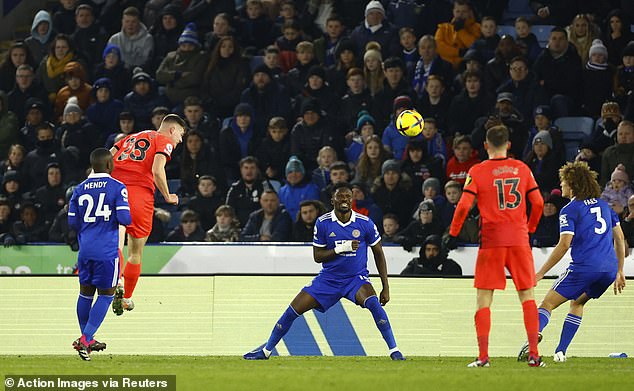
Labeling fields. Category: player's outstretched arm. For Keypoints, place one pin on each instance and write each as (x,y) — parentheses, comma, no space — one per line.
(160,179)
(537,207)
(381,266)
(462,210)
(558,252)
(619,248)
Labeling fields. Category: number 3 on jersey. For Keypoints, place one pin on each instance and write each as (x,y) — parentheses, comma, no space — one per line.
(103,210)
(504,198)
(134,149)
(604,225)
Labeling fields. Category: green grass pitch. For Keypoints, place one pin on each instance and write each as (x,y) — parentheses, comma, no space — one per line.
(339,373)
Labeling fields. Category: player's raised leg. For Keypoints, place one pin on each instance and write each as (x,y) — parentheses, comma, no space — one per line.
(301,303)
(482,319)
(366,297)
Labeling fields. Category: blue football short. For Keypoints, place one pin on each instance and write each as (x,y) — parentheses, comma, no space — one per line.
(572,284)
(103,274)
(328,290)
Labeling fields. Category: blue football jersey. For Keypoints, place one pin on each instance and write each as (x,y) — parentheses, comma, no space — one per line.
(591,222)
(329,232)
(97,208)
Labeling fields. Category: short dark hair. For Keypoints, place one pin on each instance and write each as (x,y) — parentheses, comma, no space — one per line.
(174,119)
(498,135)
(207,178)
(558,29)
(462,139)
(338,165)
(192,101)
(126,115)
(390,216)
(132,11)
(189,214)
(341,185)
(334,18)
(248,159)
(519,58)
(99,159)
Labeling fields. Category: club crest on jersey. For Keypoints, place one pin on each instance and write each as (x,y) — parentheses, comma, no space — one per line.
(356,233)
(563,221)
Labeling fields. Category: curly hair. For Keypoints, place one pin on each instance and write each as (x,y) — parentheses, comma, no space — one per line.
(582,180)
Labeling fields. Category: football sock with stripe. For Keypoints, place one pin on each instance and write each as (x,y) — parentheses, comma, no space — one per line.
(531,323)
(97,314)
(483,328)
(131,275)
(382,322)
(571,325)
(544,318)
(83,310)
(281,328)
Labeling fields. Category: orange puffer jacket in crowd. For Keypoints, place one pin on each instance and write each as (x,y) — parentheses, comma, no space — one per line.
(449,41)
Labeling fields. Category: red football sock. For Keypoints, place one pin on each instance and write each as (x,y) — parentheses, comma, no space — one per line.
(483,327)
(130,277)
(531,322)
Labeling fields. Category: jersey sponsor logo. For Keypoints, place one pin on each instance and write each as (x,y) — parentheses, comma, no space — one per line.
(332,235)
(563,220)
(505,170)
(356,233)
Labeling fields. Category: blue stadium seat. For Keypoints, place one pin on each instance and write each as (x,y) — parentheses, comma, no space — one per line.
(516,8)
(506,30)
(175,219)
(632,28)
(256,61)
(574,130)
(542,32)
(173,185)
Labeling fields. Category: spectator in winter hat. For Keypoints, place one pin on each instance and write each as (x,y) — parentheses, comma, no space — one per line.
(182,70)
(296,189)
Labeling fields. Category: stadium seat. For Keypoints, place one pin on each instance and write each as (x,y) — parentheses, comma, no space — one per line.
(506,30)
(515,9)
(256,61)
(542,32)
(632,28)
(173,185)
(574,130)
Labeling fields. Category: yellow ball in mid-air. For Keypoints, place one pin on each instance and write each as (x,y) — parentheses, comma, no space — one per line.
(410,123)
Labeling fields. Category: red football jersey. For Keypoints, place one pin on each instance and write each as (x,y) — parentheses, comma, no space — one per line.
(135,156)
(501,187)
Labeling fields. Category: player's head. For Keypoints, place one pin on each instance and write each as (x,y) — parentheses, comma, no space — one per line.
(174,127)
(577,180)
(101,161)
(342,197)
(497,139)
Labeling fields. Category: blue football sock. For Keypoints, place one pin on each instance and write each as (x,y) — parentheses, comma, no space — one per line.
(97,314)
(571,325)
(382,322)
(83,310)
(281,328)
(544,318)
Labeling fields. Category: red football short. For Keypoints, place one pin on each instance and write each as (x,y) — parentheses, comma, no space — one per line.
(489,269)
(141,200)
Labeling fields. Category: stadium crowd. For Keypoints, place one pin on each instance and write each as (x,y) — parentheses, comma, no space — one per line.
(284,99)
